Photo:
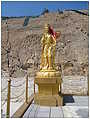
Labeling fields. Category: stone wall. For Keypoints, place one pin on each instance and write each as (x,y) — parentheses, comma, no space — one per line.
(75,85)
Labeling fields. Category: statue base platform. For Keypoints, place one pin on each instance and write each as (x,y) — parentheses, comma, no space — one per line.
(49,83)
(48,100)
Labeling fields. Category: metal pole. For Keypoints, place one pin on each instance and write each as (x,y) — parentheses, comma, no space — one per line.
(8,99)
(34,87)
(88,84)
(27,89)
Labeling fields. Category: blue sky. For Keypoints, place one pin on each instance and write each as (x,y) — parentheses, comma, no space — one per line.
(31,8)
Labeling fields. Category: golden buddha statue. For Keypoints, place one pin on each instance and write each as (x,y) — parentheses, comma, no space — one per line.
(48,78)
(48,42)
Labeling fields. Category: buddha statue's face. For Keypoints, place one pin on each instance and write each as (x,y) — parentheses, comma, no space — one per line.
(46,28)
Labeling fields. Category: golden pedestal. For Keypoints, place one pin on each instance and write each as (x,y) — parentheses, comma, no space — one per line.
(49,83)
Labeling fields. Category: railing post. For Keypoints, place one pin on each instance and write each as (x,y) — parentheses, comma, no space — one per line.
(27,89)
(8,99)
(88,84)
(34,87)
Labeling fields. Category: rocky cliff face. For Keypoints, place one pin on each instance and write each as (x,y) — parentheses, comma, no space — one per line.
(24,47)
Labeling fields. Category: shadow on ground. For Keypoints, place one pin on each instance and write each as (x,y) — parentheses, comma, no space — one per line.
(68,99)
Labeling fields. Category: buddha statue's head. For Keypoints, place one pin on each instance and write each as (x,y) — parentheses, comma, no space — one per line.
(46,28)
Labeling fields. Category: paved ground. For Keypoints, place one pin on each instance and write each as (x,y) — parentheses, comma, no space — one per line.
(76,106)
